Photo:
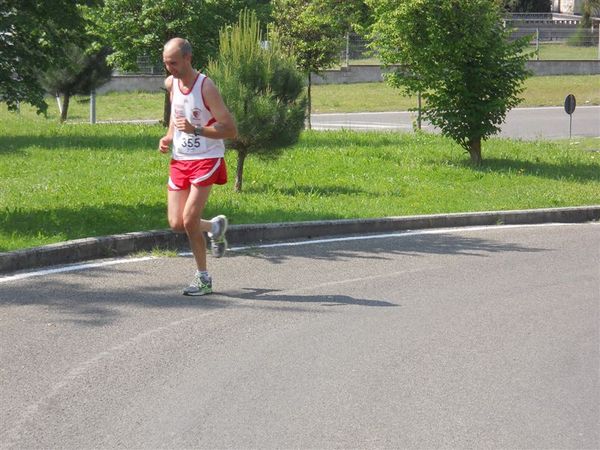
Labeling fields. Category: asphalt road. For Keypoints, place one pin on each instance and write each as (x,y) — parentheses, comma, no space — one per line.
(522,123)
(484,337)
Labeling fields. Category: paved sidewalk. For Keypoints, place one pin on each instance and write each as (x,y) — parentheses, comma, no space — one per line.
(124,244)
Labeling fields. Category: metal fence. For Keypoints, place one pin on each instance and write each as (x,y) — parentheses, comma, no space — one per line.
(145,67)
(546,43)
(552,37)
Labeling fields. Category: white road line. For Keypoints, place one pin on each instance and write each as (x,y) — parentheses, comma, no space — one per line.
(397,234)
(530,108)
(386,236)
(28,413)
(312,287)
(376,126)
(112,262)
(72,268)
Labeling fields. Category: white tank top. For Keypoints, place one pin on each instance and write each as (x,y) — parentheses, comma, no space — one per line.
(191,105)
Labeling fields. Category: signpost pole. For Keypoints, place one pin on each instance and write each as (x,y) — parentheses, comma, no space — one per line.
(419,110)
(570,125)
(93,106)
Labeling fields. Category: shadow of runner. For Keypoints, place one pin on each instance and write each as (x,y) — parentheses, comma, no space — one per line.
(273,295)
(94,297)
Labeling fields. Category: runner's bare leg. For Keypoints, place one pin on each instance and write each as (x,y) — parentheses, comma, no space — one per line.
(185,210)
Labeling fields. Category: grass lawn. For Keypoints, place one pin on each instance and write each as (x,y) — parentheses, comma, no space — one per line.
(539,91)
(111,106)
(548,51)
(60,182)
(566,52)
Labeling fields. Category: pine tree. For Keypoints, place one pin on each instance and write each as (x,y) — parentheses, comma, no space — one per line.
(262,88)
(81,74)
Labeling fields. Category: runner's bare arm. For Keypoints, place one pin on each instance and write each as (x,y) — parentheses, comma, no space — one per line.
(224,127)
(169,83)
(166,140)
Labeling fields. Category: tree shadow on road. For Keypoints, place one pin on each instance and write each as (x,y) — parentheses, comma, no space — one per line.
(105,295)
(386,246)
(90,298)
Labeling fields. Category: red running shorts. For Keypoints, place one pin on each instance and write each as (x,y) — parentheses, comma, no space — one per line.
(199,172)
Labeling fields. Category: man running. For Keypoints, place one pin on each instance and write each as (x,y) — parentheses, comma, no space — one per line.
(199,123)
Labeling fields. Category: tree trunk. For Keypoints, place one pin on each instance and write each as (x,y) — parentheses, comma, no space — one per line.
(475,151)
(65,107)
(240,170)
(167,109)
(309,98)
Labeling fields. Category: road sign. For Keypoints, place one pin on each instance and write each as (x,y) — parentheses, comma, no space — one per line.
(570,104)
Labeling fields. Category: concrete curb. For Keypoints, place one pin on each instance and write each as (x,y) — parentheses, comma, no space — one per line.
(123,244)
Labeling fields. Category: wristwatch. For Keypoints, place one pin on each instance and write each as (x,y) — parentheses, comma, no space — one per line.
(198,131)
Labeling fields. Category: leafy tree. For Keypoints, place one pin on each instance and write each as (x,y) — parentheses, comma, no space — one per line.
(32,38)
(262,9)
(141,28)
(313,31)
(527,5)
(262,88)
(81,74)
(457,54)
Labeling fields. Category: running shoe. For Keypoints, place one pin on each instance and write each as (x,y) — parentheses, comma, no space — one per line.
(218,243)
(199,286)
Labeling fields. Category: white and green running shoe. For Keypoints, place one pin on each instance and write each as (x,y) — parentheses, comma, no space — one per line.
(199,286)
(218,243)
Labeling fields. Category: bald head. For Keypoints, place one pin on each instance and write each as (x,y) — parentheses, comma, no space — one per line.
(177,56)
(180,45)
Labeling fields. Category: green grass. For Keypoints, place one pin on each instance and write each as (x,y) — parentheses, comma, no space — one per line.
(552,90)
(563,52)
(60,182)
(539,91)
(113,106)
(548,51)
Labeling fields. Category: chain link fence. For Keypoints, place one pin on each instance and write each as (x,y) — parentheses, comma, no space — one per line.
(145,67)
(550,39)
(544,44)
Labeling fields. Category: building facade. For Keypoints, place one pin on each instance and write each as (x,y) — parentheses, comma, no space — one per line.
(567,6)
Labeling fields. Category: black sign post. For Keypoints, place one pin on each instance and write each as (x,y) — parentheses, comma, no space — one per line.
(570,104)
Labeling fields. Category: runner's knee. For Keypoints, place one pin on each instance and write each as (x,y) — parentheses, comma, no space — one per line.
(176,224)
(191,224)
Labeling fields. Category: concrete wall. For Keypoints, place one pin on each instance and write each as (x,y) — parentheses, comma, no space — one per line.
(363,74)
(353,74)
(575,67)
(124,83)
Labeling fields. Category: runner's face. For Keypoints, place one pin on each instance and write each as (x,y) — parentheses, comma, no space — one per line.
(174,62)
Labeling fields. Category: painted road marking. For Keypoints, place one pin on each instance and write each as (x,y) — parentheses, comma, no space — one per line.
(112,262)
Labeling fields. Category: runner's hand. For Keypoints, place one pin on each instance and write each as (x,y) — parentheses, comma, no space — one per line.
(182,124)
(165,143)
